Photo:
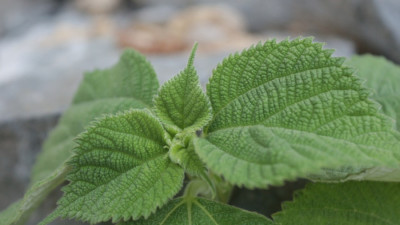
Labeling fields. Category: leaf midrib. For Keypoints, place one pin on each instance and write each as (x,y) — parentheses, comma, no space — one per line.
(171,212)
(205,211)
(281,128)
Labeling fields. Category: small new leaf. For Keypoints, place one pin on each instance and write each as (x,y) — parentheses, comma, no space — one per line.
(350,203)
(181,103)
(286,110)
(122,171)
(188,159)
(200,211)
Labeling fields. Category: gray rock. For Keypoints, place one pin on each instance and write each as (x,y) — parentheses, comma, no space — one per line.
(47,80)
(20,141)
(23,13)
(156,14)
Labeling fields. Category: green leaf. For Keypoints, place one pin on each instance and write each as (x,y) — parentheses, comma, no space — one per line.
(383,77)
(200,211)
(58,147)
(99,93)
(181,103)
(19,212)
(131,83)
(132,77)
(273,155)
(121,171)
(350,203)
(287,110)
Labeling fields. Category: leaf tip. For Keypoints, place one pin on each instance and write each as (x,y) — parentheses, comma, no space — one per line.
(192,54)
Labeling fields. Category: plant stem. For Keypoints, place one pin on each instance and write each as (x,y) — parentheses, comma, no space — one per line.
(210,186)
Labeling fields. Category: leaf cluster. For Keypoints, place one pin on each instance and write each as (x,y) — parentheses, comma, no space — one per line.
(272,113)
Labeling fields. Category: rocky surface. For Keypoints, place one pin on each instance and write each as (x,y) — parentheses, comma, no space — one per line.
(372,24)
(20,141)
(24,13)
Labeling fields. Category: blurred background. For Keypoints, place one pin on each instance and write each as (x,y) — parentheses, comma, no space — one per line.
(46,46)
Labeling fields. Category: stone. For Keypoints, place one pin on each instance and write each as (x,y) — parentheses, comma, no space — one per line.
(22,14)
(97,6)
(151,39)
(156,14)
(371,24)
(20,142)
(215,27)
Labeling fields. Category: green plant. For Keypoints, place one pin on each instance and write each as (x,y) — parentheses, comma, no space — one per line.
(274,112)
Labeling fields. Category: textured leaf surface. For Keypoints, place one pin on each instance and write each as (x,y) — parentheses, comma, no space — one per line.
(181,103)
(383,77)
(131,83)
(200,211)
(59,145)
(284,110)
(99,93)
(122,171)
(350,203)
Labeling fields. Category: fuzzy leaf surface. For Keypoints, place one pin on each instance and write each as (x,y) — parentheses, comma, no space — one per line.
(383,77)
(121,171)
(200,211)
(58,147)
(181,103)
(349,203)
(97,95)
(285,110)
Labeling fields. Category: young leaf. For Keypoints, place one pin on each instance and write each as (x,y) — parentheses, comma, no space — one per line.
(286,110)
(350,203)
(99,93)
(383,77)
(122,171)
(181,103)
(200,211)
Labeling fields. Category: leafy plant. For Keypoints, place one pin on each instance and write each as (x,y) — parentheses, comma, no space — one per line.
(272,113)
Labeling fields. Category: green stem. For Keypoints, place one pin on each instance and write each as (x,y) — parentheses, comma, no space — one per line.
(209,186)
